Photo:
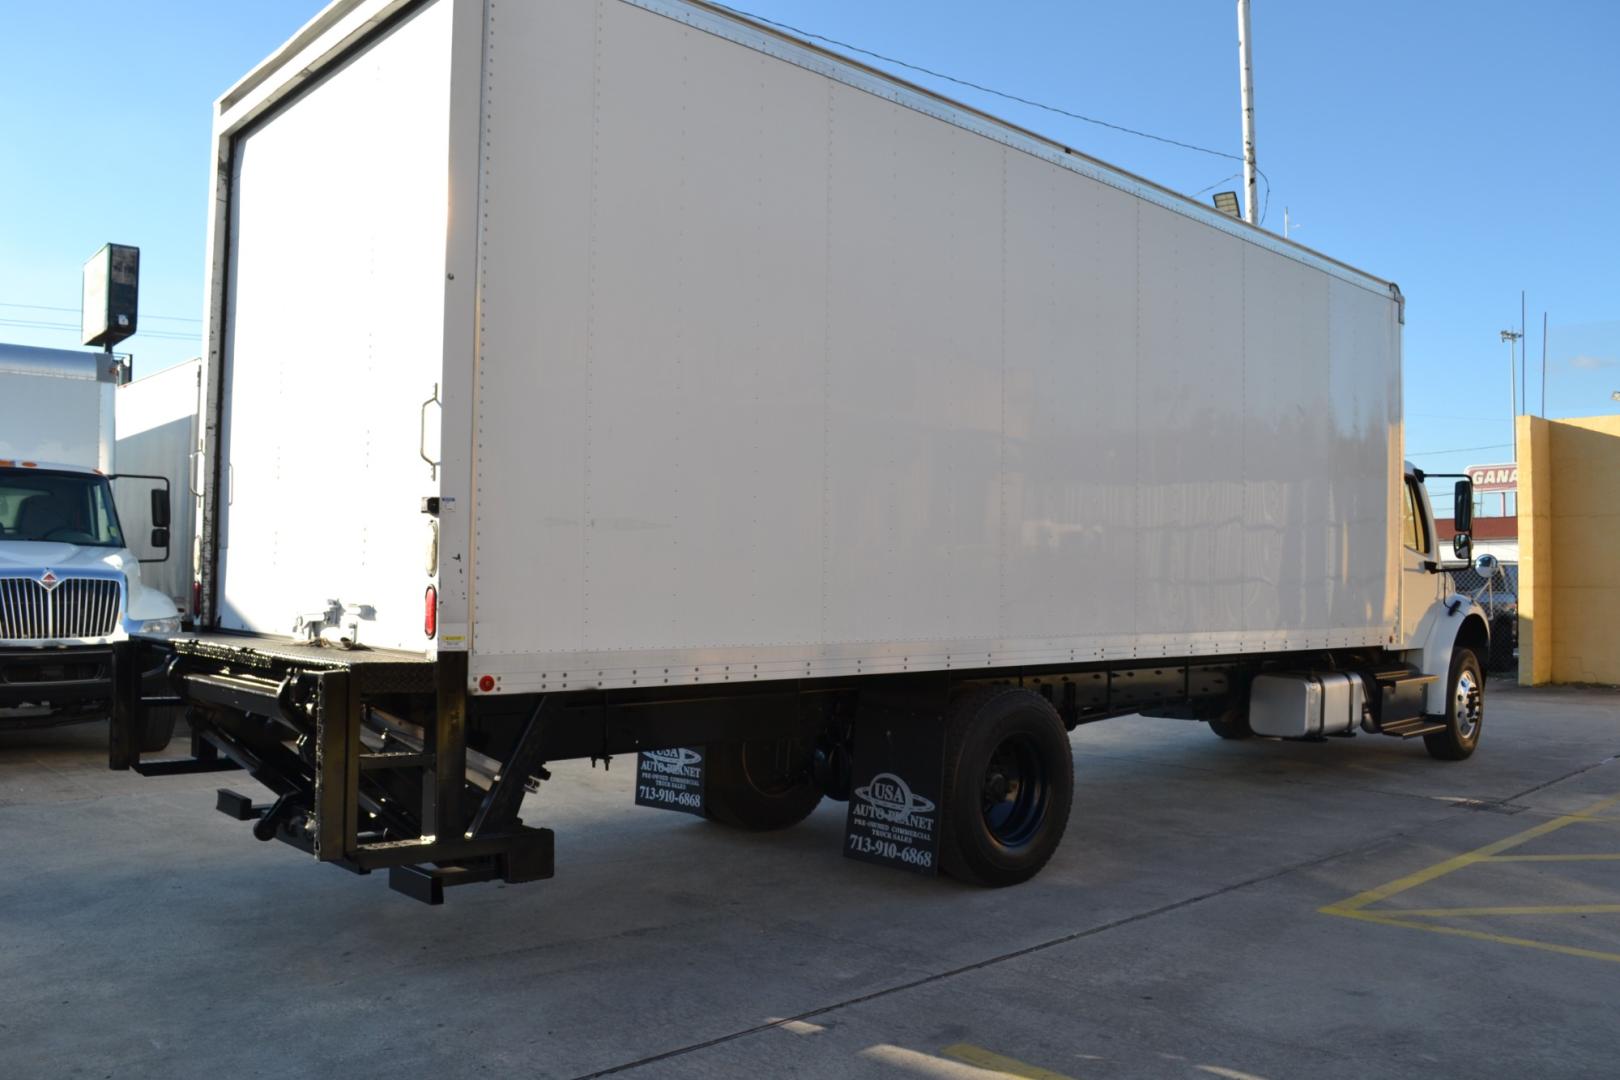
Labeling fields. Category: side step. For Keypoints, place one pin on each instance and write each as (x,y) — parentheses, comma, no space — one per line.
(1412,728)
(1401,705)
(1403,677)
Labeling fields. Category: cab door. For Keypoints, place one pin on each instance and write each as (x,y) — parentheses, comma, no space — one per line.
(1421,584)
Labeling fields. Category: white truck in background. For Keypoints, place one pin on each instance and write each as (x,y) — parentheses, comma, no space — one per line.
(71,589)
(158,435)
(626,376)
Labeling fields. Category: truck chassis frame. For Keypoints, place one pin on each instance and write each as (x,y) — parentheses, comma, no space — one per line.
(378,760)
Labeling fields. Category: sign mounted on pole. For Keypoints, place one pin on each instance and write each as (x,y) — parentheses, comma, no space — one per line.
(1494,477)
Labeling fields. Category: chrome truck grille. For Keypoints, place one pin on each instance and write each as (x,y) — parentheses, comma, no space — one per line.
(74,608)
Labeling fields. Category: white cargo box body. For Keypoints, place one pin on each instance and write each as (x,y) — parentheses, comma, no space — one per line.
(157,436)
(753,364)
(56,406)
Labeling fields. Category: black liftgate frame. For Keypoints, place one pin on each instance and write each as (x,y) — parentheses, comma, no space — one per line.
(352,784)
(366,752)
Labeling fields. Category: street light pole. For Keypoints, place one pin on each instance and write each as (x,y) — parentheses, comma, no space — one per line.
(1512,337)
(1251,205)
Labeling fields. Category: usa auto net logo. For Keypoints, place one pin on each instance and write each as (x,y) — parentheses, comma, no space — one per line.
(890,798)
(680,761)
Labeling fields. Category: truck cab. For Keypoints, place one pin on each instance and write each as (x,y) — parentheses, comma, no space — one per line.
(1442,632)
(70,582)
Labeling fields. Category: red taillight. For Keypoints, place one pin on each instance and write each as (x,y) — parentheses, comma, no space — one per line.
(486,683)
(196,599)
(430,611)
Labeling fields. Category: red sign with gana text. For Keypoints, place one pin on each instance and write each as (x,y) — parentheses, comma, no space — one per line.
(1494,477)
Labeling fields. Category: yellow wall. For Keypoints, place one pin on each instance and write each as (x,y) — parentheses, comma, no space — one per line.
(1569,550)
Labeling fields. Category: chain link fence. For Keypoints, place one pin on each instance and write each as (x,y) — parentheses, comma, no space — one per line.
(1498,594)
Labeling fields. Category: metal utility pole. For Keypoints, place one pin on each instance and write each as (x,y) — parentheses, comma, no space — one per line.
(1524,358)
(1251,205)
(1512,337)
(1543,364)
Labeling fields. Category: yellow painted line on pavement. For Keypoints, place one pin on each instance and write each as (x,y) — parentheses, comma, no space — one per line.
(1543,909)
(1477,935)
(1554,858)
(1229,1074)
(981,1058)
(1457,862)
(1357,907)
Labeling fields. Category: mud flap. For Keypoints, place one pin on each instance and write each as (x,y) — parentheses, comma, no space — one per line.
(670,779)
(895,800)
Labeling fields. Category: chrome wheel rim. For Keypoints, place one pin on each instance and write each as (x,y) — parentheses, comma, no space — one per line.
(1467,704)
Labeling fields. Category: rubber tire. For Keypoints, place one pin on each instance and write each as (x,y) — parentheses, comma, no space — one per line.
(1450,745)
(733,796)
(979,720)
(158,729)
(1233,723)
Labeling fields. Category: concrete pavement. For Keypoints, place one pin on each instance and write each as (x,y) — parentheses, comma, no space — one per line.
(1180,931)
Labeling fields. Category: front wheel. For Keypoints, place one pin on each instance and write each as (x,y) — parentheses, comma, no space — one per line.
(1465,710)
(1009,780)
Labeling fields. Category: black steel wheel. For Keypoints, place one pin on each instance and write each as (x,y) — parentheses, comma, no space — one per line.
(760,785)
(1465,709)
(1009,782)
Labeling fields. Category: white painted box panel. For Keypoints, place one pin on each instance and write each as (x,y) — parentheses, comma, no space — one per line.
(832,383)
(56,406)
(157,436)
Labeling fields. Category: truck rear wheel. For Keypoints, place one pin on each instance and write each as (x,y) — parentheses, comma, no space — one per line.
(1465,709)
(760,785)
(1009,781)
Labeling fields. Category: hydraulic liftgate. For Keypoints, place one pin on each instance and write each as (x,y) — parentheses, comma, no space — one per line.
(365,753)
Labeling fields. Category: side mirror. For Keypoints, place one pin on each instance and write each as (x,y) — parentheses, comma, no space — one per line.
(160,513)
(160,539)
(1486,565)
(1462,515)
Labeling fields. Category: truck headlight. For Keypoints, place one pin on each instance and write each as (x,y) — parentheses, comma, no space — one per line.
(170,625)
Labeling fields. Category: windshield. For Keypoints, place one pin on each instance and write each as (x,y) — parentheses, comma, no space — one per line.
(68,508)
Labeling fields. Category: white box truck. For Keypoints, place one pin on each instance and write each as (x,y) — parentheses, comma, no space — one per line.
(157,428)
(70,574)
(602,376)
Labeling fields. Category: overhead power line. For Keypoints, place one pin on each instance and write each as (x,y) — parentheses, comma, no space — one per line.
(75,311)
(1459,450)
(1032,103)
(35,324)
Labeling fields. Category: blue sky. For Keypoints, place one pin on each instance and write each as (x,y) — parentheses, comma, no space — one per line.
(1464,150)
